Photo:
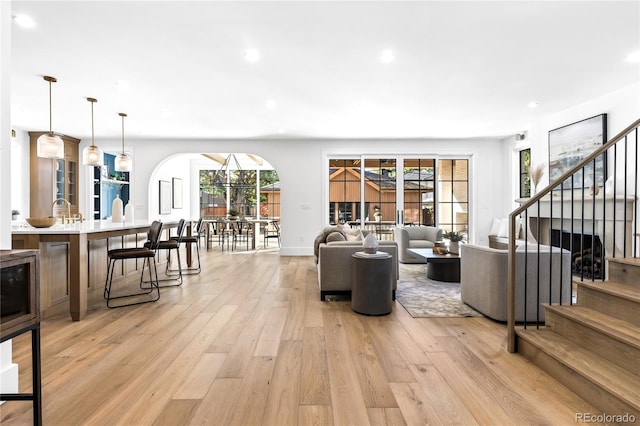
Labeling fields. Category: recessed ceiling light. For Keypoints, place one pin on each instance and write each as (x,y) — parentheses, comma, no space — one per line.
(533,104)
(386,57)
(252,55)
(122,84)
(24,21)
(271,104)
(634,57)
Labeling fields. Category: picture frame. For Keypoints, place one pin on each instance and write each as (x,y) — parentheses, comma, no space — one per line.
(570,144)
(164,197)
(176,184)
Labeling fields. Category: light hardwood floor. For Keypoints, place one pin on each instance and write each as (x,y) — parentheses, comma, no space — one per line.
(248,342)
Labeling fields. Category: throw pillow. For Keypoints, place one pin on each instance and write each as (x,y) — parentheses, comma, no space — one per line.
(504,228)
(355,235)
(335,236)
(495,226)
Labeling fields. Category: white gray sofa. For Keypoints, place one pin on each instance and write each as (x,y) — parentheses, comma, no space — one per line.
(335,265)
(483,280)
(409,237)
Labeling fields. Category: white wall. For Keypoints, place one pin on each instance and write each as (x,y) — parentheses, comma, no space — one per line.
(301,165)
(622,108)
(5,125)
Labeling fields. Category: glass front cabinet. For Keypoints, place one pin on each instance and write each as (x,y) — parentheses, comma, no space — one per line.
(53,180)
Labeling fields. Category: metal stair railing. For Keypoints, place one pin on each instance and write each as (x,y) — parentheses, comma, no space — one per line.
(614,203)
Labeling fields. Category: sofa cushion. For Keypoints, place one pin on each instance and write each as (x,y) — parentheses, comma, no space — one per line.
(420,244)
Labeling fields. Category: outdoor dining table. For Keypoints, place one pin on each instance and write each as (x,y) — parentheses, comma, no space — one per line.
(221,225)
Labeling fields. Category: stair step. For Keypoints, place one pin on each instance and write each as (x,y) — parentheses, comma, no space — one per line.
(597,380)
(624,269)
(619,300)
(632,261)
(622,290)
(612,338)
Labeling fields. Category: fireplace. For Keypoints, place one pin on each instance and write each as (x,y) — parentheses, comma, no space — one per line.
(586,252)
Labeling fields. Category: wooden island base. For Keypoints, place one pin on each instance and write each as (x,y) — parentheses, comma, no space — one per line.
(73,260)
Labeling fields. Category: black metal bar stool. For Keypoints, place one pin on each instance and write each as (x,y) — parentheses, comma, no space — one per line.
(173,243)
(192,239)
(145,253)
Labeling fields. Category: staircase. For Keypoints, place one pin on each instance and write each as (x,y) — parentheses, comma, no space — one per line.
(593,346)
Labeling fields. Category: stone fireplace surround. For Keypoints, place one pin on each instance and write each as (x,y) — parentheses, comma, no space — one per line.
(613,219)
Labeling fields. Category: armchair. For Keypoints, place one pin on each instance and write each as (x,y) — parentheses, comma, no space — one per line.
(415,237)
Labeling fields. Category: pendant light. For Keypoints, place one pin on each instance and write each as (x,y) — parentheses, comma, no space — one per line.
(50,145)
(123,162)
(92,155)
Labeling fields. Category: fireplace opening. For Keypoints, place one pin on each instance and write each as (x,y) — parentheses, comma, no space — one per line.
(586,252)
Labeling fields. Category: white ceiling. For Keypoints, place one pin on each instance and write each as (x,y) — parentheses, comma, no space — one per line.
(461,69)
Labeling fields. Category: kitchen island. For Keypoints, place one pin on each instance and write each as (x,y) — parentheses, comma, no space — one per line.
(73,259)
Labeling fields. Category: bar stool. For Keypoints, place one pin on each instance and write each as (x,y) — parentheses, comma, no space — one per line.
(172,243)
(193,239)
(145,253)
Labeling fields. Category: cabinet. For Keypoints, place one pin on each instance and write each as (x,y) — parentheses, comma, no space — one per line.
(20,313)
(52,179)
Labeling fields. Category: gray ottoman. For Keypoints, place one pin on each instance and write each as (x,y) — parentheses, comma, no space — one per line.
(371,283)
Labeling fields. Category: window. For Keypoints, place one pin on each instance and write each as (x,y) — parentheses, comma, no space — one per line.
(380,190)
(525,178)
(269,194)
(237,189)
(419,191)
(344,190)
(453,202)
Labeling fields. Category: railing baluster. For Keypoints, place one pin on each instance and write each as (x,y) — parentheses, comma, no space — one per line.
(635,197)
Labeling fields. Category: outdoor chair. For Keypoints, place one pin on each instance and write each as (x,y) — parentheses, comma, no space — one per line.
(272,230)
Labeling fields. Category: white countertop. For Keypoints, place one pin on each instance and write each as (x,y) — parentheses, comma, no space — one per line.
(86,227)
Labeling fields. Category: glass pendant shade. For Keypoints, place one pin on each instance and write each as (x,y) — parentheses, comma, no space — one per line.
(123,163)
(50,146)
(92,155)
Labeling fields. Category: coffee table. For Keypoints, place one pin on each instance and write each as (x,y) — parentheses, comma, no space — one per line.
(440,267)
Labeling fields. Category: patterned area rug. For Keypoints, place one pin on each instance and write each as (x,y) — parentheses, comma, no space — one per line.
(422,297)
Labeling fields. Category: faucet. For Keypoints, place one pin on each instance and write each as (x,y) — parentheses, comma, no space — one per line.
(67,218)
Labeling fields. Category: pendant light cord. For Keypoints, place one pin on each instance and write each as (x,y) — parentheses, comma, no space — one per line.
(92,131)
(50,113)
(123,116)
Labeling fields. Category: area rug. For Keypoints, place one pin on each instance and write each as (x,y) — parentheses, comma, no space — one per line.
(424,298)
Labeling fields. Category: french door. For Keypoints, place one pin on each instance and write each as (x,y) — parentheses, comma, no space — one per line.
(379,193)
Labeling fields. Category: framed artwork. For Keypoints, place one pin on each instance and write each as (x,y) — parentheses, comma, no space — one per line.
(570,144)
(177,193)
(165,197)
